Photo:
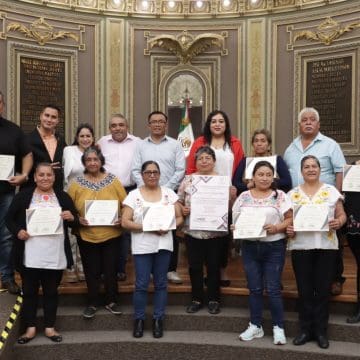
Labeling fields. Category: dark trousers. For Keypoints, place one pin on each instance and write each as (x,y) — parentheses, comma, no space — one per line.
(339,262)
(354,244)
(204,252)
(314,270)
(100,258)
(175,253)
(31,281)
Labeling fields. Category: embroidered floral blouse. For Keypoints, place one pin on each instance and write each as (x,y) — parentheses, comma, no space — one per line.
(307,240)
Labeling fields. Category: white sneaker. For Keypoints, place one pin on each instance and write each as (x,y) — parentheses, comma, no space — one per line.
(174,277)
(279,335)
(252,332)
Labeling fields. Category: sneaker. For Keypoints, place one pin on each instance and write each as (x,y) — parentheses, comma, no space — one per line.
(114,308)
(89,312)
(174,278)
(279,335)
(12,287)
(252,332)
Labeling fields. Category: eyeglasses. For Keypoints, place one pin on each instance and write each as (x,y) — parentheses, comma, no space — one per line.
(149,172)
(157,122)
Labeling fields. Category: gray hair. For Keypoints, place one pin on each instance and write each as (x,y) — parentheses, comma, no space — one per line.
(118,115)
(310,110)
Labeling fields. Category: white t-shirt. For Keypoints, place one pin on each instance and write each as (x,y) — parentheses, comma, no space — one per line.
(72,164)
(45,252)
(275,208)
(147,242)
(224,161)
(307,240)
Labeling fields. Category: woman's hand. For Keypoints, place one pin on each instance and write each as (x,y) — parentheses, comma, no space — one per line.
(67,215)
(185,210)
(335,224)
(290,231)
(83,221)
(118,222)
(232,227)
(23,235)
(271,229)
(161,232)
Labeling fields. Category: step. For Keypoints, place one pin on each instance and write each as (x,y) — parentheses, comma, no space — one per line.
(189,345)
(231,319)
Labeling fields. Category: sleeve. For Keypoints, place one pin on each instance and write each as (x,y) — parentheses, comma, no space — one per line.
(191,168)
(136,166)
(337,158)
(238,152)
(14,215)
(285,203)
(181,190)
(284,181)
(173,197)
(129,200)
(67,163)
(72,190)
(238,203)
(120,190)
(238,177)
(68,204)
(179,173)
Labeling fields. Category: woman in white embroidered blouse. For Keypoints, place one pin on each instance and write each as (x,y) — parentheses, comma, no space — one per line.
(314,253)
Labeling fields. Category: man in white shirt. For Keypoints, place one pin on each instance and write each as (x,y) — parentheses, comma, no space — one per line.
(118,149)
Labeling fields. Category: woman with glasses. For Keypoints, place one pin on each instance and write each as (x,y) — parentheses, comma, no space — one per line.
(151,249)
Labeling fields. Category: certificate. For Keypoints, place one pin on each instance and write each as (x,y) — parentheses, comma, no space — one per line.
(249,223)
(159,217)
(101,212)
(44,221)
(252,161)
(209,203)
(7,166)
(351,179)
(311,217)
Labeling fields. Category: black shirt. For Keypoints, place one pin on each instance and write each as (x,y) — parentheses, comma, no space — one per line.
(12,142)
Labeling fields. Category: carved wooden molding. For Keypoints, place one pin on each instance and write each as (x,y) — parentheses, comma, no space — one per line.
(186,46)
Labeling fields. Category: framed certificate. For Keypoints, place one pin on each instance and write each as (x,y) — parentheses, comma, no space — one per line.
(311,217)
(101,212)
(159,217)
(7,167)
(351,179)
(44,221)
(249,223)
(209,203)
(252,161)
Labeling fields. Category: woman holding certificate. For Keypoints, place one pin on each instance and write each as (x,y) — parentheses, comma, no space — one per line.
(150,212)
(38,218)
(203,246)
(318,213)
(261,142)
(97,196)
(229,152)
(261,216)
(73,167)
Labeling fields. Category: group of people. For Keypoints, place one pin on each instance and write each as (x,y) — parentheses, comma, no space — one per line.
(151,172)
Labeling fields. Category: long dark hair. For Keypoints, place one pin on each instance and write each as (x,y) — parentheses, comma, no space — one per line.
(258,165)
(79,128)
(207,133)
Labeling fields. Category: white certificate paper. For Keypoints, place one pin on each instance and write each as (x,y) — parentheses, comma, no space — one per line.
(351,179)
(209,203)
(249,223)
(311,217)
(101,212)
(44,221)
(7,167)
(252,161)
(159,217)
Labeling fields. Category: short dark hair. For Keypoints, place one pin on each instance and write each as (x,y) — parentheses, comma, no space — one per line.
(79,128)
(52,106)
(206,130)
(147,163)
(206,149)
(97,151)
(307,157)
(157,112)
(45,164)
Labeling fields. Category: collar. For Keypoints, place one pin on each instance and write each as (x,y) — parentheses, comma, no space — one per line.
(45,137)
(128,137)
(149,138)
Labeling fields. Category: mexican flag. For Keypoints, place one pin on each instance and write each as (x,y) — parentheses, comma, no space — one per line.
(186,135)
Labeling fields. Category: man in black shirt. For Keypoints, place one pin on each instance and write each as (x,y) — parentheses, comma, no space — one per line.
(12,143)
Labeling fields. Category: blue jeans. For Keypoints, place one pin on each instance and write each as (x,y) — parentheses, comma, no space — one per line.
(145,264)
(264,262)
(6,266)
